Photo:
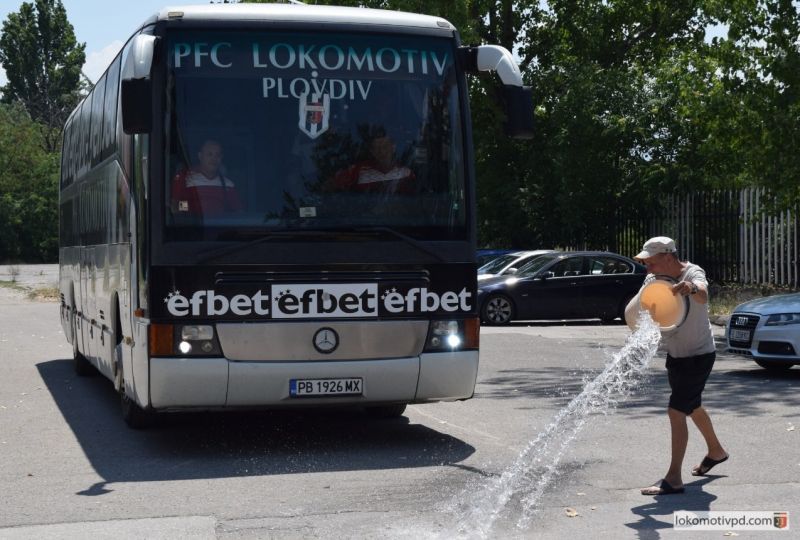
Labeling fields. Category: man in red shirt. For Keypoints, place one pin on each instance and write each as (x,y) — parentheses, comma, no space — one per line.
(379,174)
(204,189)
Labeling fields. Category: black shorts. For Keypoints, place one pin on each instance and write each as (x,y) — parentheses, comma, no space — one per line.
(687,378)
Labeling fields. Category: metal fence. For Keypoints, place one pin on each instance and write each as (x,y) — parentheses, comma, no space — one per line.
(726,232)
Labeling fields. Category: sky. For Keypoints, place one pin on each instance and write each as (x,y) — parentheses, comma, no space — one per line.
(105,25)
(102,24)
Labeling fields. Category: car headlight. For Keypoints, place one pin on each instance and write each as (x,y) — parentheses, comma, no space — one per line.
(780,319)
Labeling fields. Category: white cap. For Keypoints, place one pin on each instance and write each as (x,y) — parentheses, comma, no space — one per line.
(656,245)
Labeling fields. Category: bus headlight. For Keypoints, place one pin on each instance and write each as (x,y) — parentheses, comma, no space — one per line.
(183,340)
(453,335)
(197,332)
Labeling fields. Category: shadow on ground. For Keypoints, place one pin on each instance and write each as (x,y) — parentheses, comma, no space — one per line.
(221,445)
(649,525)
(737,385)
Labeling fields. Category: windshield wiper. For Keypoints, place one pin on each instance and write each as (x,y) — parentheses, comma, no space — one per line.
(207,256)
(397,234)
(211,254)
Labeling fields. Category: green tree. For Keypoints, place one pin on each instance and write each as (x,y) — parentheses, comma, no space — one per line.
(604,124)
(631,102)
(28,190)
(760,62)
(42,60)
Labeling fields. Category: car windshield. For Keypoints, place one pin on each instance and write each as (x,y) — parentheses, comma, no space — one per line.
(275,131)
(533,267)
(496,265)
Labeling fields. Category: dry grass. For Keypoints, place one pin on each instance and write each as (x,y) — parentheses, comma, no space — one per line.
(45,294)
(40,294)
(11,285)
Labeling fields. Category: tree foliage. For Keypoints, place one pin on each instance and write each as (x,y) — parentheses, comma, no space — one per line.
(43,61)
(632,101)
(28,190)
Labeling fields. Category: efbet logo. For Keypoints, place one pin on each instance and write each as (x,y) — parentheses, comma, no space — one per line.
(317,301)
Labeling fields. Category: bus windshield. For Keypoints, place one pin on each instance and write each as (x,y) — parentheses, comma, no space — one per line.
(277,131)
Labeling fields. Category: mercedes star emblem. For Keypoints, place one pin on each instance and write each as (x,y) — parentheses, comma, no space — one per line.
(326,340)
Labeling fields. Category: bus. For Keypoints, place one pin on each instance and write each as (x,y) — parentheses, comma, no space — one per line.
(266,206)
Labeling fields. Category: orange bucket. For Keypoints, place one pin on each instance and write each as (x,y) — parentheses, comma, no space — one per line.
(667,310)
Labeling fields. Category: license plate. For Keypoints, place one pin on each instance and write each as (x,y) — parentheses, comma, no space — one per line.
(326,387)
(740,335)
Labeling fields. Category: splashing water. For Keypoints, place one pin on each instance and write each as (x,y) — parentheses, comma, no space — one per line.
(534,469)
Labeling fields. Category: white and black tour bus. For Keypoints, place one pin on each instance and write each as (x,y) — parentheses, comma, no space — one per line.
(274,205)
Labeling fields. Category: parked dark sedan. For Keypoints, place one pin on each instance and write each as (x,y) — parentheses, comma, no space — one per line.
(486,255)
(562,285)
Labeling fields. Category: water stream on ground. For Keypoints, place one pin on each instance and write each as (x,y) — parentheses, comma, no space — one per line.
(516,492)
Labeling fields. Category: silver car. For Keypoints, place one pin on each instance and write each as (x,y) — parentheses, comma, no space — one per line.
(768,330)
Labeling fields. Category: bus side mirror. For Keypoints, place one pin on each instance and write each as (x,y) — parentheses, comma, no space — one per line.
(136,92)
(519,111)
(517,98)
(137,106)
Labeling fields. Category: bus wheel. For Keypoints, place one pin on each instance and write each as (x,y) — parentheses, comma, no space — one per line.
(387,411)
(82,366)
(118,382)
(134,416)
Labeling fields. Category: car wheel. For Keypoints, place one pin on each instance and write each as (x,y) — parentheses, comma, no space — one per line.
(774,366)
(497,309)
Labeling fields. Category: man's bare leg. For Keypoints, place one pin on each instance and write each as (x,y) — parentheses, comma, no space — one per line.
(679,433)
(703,422)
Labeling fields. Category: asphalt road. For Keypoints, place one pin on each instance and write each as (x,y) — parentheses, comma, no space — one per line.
(70,468)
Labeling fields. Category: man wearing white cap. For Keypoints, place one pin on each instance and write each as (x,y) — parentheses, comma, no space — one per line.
(690,357)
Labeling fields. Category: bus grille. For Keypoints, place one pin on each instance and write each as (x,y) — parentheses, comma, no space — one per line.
(230,278)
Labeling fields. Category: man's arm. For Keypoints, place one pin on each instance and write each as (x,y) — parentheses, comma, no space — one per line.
(696,290)
(695,285)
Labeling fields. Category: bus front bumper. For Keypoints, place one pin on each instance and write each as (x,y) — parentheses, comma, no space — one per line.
(177,383)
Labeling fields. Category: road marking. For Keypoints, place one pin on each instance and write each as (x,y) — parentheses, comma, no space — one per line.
(193,528)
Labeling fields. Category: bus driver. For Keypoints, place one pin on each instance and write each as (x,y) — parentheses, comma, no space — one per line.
(203,189)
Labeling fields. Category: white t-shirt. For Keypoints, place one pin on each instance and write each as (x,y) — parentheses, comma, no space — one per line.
(199,180)
(694,336)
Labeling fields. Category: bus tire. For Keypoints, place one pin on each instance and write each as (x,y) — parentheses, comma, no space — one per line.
(119,384)
(82,366)
(116,355)
(387,411)
(135,416)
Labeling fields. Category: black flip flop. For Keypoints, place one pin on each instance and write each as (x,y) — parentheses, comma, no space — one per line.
(707,464)
(664,488)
